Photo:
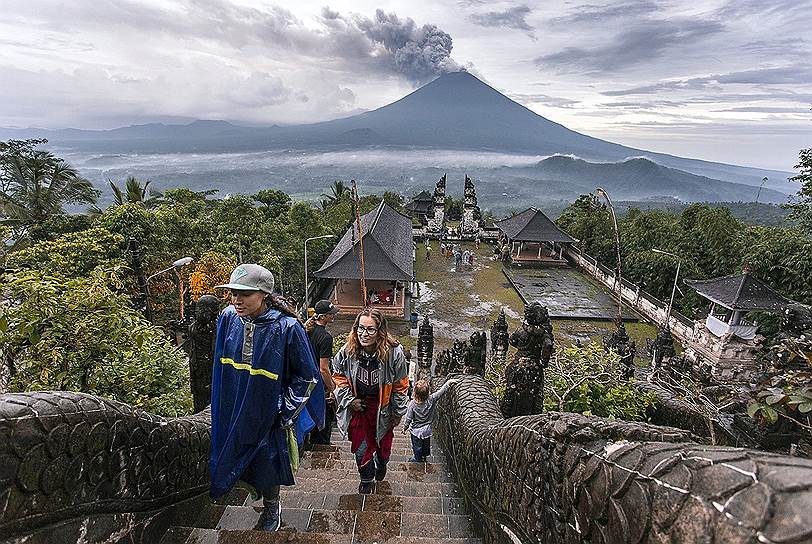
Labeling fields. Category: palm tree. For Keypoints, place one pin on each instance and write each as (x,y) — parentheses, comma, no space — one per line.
(135,193)
(340,191)
(39,186)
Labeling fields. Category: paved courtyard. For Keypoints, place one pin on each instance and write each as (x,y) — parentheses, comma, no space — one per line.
(461,302)
(565,292)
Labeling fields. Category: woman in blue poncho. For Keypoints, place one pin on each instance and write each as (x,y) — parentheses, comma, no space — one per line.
(266,392)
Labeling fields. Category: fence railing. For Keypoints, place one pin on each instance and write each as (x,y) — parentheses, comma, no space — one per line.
(632,294)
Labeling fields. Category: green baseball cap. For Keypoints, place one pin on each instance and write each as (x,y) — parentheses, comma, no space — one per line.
(250,277)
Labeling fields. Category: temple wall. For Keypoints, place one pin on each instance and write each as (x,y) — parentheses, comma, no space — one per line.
(83,465)
(633,295)
(561,478)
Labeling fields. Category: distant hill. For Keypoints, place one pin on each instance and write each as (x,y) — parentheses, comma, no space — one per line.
(456,111)
(640,178)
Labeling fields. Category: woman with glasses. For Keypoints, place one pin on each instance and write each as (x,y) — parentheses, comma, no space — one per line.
(372,384)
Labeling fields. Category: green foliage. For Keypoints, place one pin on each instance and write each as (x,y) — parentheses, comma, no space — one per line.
(589,380)
(801,206)
(453,208)
(783,257)
(788,395)
(135,192)
(589,221)
(80,335)
(71,255)
(275,204)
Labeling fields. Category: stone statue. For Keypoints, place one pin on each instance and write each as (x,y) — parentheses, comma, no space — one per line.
(459,350)
(661,350)
(425,349)
(476,354)
(524,376)
(202,331)
(620,343)
(443,361)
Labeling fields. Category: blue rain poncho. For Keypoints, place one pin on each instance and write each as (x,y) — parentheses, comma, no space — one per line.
(266,386)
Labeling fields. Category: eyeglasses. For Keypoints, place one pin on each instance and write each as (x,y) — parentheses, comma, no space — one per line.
(368,331)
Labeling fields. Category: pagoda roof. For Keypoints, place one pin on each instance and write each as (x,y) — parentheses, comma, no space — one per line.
(532,225)
(388,248)
(740,292)
(422,196)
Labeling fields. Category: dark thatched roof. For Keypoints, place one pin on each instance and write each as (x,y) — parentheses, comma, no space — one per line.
(740,292)
(388,248)
(532,226)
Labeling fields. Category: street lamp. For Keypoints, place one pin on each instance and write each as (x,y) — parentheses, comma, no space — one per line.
(674,288)
(176,266)
(601,192)
(306,305)
(758,194)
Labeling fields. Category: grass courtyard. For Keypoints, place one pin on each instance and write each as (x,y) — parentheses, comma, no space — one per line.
(461,302)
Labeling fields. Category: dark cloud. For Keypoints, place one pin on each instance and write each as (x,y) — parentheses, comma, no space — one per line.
(515,17)
(417,53)
(796,74)
(634,46)
(591,13)
(384,44)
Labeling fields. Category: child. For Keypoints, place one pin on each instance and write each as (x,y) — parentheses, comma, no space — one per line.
(419,414)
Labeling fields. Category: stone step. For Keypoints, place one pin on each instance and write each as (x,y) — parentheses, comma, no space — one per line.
(395,473)
(329,464)
(370,525)
(397,455)
(191,535)
(406,489)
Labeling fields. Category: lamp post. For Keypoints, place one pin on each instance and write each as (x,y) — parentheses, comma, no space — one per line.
(306,304)
(601,192)
(758,194)
(176,266)
(674,288)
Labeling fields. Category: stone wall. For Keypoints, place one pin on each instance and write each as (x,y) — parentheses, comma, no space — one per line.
(568,478)
(71,456)
(648,305)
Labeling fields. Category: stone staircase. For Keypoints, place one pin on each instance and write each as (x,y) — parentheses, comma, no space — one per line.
(418,503)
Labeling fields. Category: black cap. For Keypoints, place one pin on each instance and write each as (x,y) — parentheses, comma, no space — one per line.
(325,307)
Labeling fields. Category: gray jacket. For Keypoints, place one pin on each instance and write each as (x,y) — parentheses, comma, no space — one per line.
(393,389)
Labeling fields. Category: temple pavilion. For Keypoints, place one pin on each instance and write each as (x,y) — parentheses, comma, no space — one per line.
(733,296)
(421,206)
(388,264)
(533,237)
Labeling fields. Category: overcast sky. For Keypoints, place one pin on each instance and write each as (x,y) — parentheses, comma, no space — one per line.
(720,80)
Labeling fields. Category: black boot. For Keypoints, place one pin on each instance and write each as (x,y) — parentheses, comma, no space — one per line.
(365,488)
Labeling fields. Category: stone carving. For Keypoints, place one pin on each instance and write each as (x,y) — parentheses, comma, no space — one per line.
(459,350)
(499,338)
(437,221)
(476,354)
(661,350)
(524,376)
(425,349)
(65,455)
(471,214)
(567,478)
(620,343)
(202,331)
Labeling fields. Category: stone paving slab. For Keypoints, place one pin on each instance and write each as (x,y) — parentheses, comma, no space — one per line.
(565,292)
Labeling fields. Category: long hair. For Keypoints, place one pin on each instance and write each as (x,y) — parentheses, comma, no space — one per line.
(383,342)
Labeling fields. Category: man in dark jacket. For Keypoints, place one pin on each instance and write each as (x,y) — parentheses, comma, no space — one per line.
(322,341)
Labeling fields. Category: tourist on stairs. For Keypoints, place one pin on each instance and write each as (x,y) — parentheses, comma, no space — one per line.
(419,416)
(372,382)
(264,376)
(322,342)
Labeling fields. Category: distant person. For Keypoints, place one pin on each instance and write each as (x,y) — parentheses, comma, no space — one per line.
(419,415)
(471,259)
(466,256)
(372,383)
(428,253)
(322,341)
(266,392)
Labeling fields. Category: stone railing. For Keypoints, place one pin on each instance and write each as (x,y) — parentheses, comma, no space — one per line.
(74,465)
(648,305)
(560,478)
